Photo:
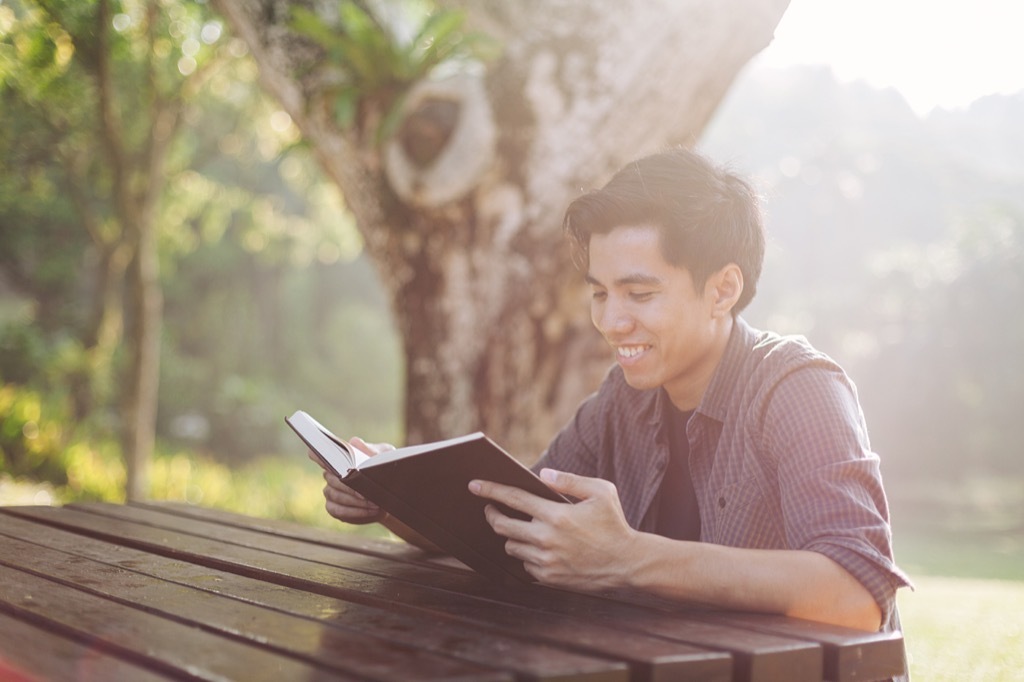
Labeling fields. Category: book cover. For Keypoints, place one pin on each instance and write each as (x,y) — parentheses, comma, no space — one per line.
(426,487)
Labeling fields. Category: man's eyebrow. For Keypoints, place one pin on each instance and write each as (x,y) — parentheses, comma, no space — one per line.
(634,278)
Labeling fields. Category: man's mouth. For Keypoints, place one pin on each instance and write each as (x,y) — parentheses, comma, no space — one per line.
(627,352)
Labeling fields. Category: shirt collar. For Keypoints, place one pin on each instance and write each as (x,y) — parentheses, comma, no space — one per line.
(716,400)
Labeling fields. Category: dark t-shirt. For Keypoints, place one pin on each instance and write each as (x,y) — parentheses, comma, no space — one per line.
(678,514)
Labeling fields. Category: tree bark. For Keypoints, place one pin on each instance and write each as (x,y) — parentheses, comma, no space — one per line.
(138,181)
(490,309)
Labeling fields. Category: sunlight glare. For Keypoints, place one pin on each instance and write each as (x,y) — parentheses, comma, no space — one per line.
(936,53)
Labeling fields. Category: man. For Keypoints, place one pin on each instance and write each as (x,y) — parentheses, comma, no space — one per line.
(716,463)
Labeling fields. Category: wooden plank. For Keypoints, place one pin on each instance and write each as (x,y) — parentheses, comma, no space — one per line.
(165,645)
(530,659)
(757,655)
(668,658)
(357,542)
(531,662)
(350,652)
(30,653)
(849,655)
(648,657)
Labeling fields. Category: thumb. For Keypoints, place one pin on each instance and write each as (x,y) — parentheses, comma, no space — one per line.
(370,449)
(574,485)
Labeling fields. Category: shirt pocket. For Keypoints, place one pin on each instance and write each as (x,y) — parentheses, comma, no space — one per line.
(744,516)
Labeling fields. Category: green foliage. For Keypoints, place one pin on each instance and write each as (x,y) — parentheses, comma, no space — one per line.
(374,68)
(82,461)
(252,336)
(266,300)
(39,440)
(42,238)
(269,487)
(93,91)
(32,434)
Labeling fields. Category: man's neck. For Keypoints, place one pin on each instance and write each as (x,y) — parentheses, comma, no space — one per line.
(687,393)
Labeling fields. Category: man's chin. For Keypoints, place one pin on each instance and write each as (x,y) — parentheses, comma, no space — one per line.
(638,381)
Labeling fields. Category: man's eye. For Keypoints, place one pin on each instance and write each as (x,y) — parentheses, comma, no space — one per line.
(599,295)
(641,296)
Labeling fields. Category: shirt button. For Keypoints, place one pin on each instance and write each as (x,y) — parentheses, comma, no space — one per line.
(721,502)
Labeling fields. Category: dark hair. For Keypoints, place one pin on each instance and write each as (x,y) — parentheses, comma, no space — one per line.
(708,217)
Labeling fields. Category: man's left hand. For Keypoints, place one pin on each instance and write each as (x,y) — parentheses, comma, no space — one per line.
(584,546)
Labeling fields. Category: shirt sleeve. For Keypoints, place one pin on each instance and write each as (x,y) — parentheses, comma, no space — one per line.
(575,447)
(830,481)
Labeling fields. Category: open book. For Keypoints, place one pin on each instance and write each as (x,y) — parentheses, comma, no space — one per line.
(426,487)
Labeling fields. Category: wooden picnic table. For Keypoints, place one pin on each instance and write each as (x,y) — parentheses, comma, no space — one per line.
(172,591)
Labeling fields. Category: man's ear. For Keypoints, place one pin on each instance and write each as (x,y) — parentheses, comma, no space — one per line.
(725,288)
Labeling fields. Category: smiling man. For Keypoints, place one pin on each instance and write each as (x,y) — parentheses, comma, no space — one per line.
(716,463)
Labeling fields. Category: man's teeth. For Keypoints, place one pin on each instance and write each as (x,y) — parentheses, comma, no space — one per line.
(630,351)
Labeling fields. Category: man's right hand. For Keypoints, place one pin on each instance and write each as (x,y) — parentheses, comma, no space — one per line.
(346,504)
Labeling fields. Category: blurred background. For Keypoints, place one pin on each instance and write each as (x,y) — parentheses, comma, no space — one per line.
(887,140)
(895,206)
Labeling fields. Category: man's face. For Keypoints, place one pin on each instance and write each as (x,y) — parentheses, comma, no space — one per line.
(649,311)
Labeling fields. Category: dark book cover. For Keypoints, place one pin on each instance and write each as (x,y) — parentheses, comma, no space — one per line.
(428,490)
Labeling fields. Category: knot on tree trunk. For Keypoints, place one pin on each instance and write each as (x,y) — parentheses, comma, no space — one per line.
(444,142)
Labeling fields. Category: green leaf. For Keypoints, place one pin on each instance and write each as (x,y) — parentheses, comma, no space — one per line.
(436,38)
(375,66)
(480,46)
(389,122)
(346,104)
(307,23)
(370,39)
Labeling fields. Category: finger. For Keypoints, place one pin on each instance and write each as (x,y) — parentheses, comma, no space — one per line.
(516,498)
(525,552)
(506,526)
(345,504)
(528,541)
(353,514)
(333,480)
(520,542)
(362,445)
(348,498)
(574,485)
(371,448)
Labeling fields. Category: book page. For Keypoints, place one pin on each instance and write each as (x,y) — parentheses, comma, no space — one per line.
(412,450)
(336,453)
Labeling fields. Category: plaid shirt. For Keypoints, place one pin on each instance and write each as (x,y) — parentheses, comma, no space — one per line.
(779,456)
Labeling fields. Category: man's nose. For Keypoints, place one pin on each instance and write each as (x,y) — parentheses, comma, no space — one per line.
(614,319)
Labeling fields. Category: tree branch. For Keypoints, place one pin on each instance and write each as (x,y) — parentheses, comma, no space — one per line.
(110,123)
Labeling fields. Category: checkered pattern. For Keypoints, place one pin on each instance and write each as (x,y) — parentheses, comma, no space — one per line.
(779,456)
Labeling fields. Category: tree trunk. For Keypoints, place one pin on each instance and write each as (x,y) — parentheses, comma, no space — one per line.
(491,312)
(142,377)
(138,178)
(142,381)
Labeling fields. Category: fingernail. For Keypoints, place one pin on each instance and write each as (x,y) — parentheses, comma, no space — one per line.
(474,486)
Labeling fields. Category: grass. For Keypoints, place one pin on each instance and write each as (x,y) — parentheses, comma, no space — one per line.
(964,548)
(964,629)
